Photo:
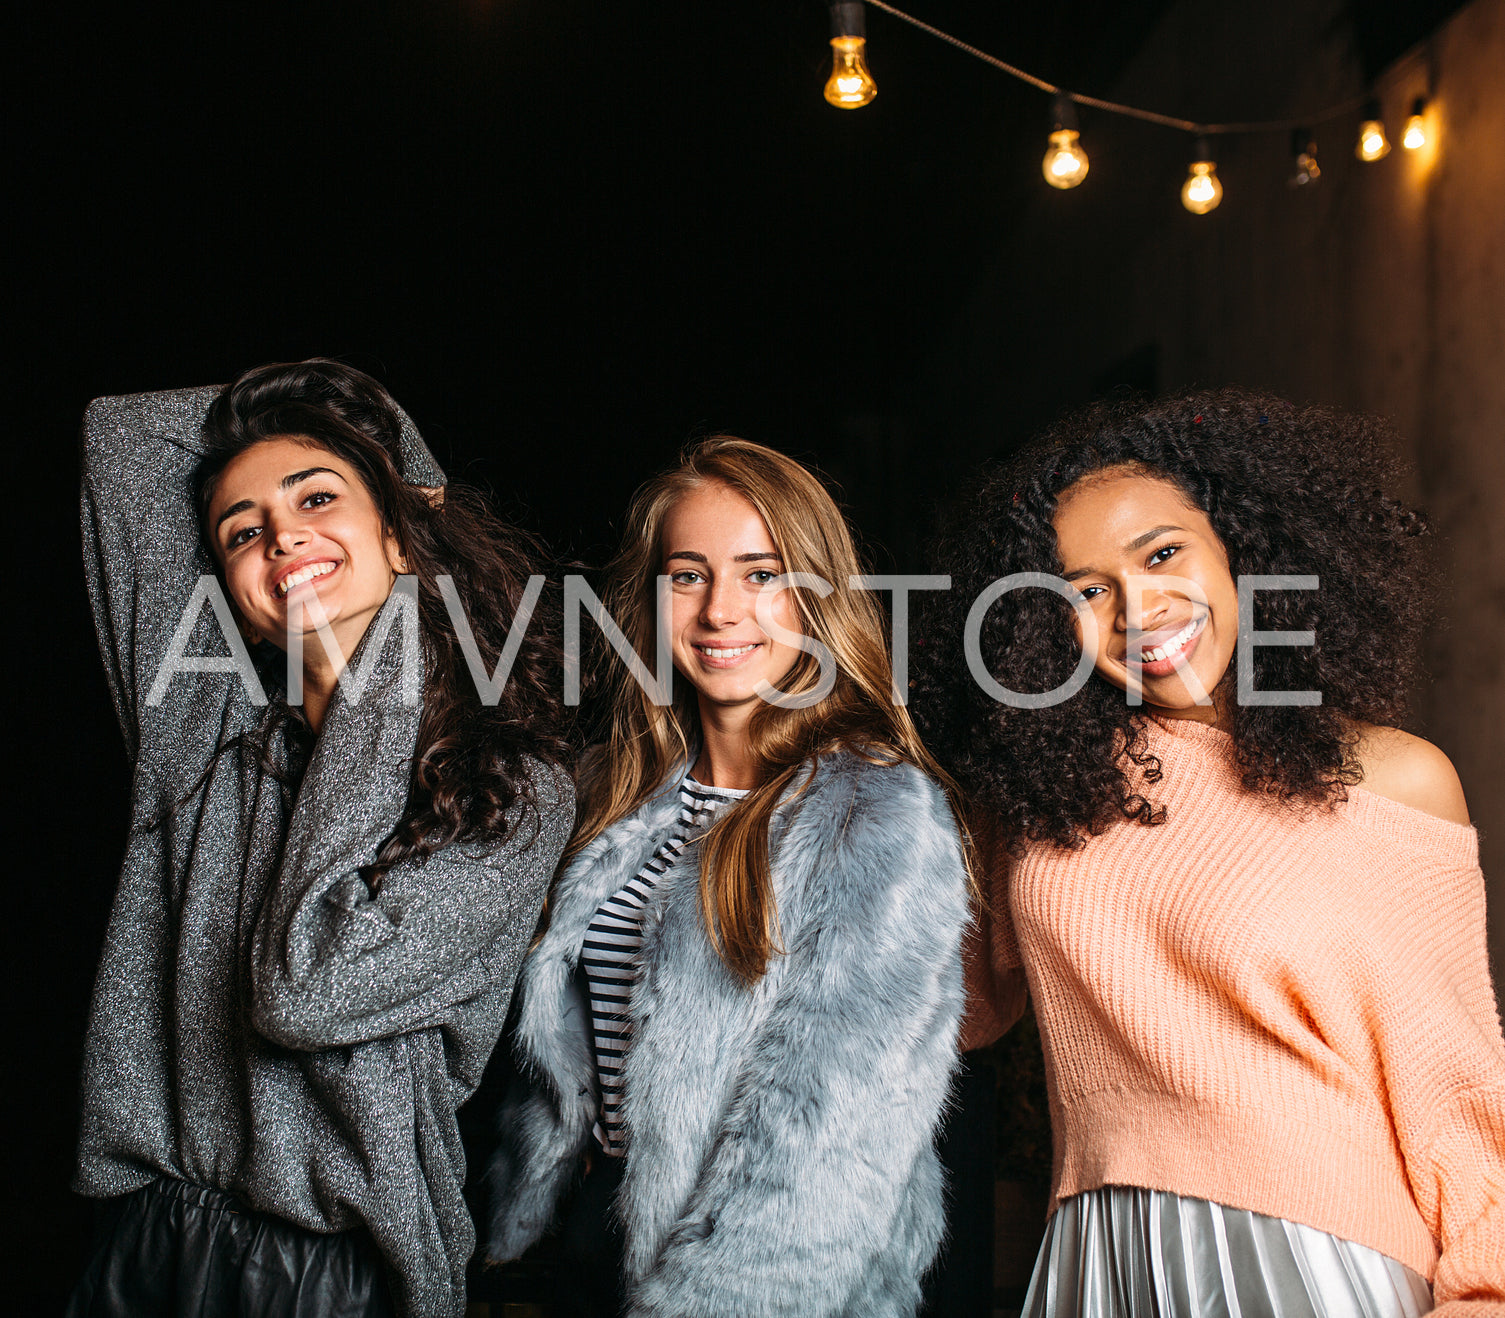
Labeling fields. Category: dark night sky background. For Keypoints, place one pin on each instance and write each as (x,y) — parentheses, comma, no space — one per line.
(568,235)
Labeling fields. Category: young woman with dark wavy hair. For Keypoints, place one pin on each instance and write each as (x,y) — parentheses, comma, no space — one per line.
(740,1023)
(1252,924)
(326,892)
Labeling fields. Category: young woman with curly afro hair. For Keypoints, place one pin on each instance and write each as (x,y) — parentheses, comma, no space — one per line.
(1247,906)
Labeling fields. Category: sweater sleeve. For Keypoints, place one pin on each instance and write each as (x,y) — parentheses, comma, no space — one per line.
(143,557)
(1460,1185)
(1444,1062)
(996,990)
(831,1130)
(335,963)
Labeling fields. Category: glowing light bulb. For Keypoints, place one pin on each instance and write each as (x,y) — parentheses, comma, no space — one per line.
(1415,136)
(1201,192)
(1372,143)
(1304,148)
(1307,170)
(1065,164)
(851,84)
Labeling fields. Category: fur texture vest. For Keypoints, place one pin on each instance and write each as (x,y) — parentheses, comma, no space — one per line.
(781,1157)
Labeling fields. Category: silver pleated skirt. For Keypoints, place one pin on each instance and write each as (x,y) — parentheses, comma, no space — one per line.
(1124,1252)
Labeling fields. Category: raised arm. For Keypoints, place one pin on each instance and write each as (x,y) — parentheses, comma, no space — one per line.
(142,553)
(144,558)
(824,1154)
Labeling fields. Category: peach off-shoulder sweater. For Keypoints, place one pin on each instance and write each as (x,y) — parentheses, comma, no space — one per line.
(1281,1010)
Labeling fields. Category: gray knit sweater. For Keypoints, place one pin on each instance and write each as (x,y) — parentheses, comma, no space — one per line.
(262,1023)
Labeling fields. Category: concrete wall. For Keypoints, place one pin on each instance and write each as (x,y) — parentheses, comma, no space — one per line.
(1380,288)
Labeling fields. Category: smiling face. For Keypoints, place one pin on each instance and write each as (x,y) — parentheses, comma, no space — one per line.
(1155,575)
(719,555)
(290,523)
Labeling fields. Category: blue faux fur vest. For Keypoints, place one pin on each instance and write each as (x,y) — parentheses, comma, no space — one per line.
(781,1158)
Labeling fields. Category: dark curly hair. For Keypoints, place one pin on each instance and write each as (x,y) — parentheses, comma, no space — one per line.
(1289,490)
(472,762)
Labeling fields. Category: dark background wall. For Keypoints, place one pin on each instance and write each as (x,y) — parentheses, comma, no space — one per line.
(570,234)
(1380,288)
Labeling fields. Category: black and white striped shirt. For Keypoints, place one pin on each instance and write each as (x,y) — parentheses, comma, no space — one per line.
(610,952)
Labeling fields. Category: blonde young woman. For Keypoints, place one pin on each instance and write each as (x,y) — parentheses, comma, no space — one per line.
(740,1023)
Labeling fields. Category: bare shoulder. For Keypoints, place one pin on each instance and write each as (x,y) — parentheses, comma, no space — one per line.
(1410,770)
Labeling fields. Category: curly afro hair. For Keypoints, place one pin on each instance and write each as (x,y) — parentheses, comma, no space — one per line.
(1289,490)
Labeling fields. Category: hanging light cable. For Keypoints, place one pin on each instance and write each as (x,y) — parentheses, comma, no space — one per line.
(1065,163)
(1372,144)
(1202,191)
(850,85)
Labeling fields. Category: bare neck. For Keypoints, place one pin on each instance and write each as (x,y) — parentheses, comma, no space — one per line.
(1218,715)
(319,682)
(321,670)
(726,758)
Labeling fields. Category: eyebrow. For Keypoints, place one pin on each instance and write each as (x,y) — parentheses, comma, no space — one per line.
(286,483)
(1138,542)
(736,558)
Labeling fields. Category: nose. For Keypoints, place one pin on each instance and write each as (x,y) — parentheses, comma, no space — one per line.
(1143,610)
(721,606)
(286,533)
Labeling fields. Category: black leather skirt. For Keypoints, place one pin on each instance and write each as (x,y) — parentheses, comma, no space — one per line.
(174,1250)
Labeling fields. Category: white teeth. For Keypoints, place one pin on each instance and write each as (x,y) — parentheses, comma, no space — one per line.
(711,653)
(1171,646)
(305,574)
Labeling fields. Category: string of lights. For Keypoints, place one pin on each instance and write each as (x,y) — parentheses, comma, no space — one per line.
(851,86)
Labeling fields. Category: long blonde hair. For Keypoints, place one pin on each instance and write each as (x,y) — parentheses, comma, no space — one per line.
(647,741)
